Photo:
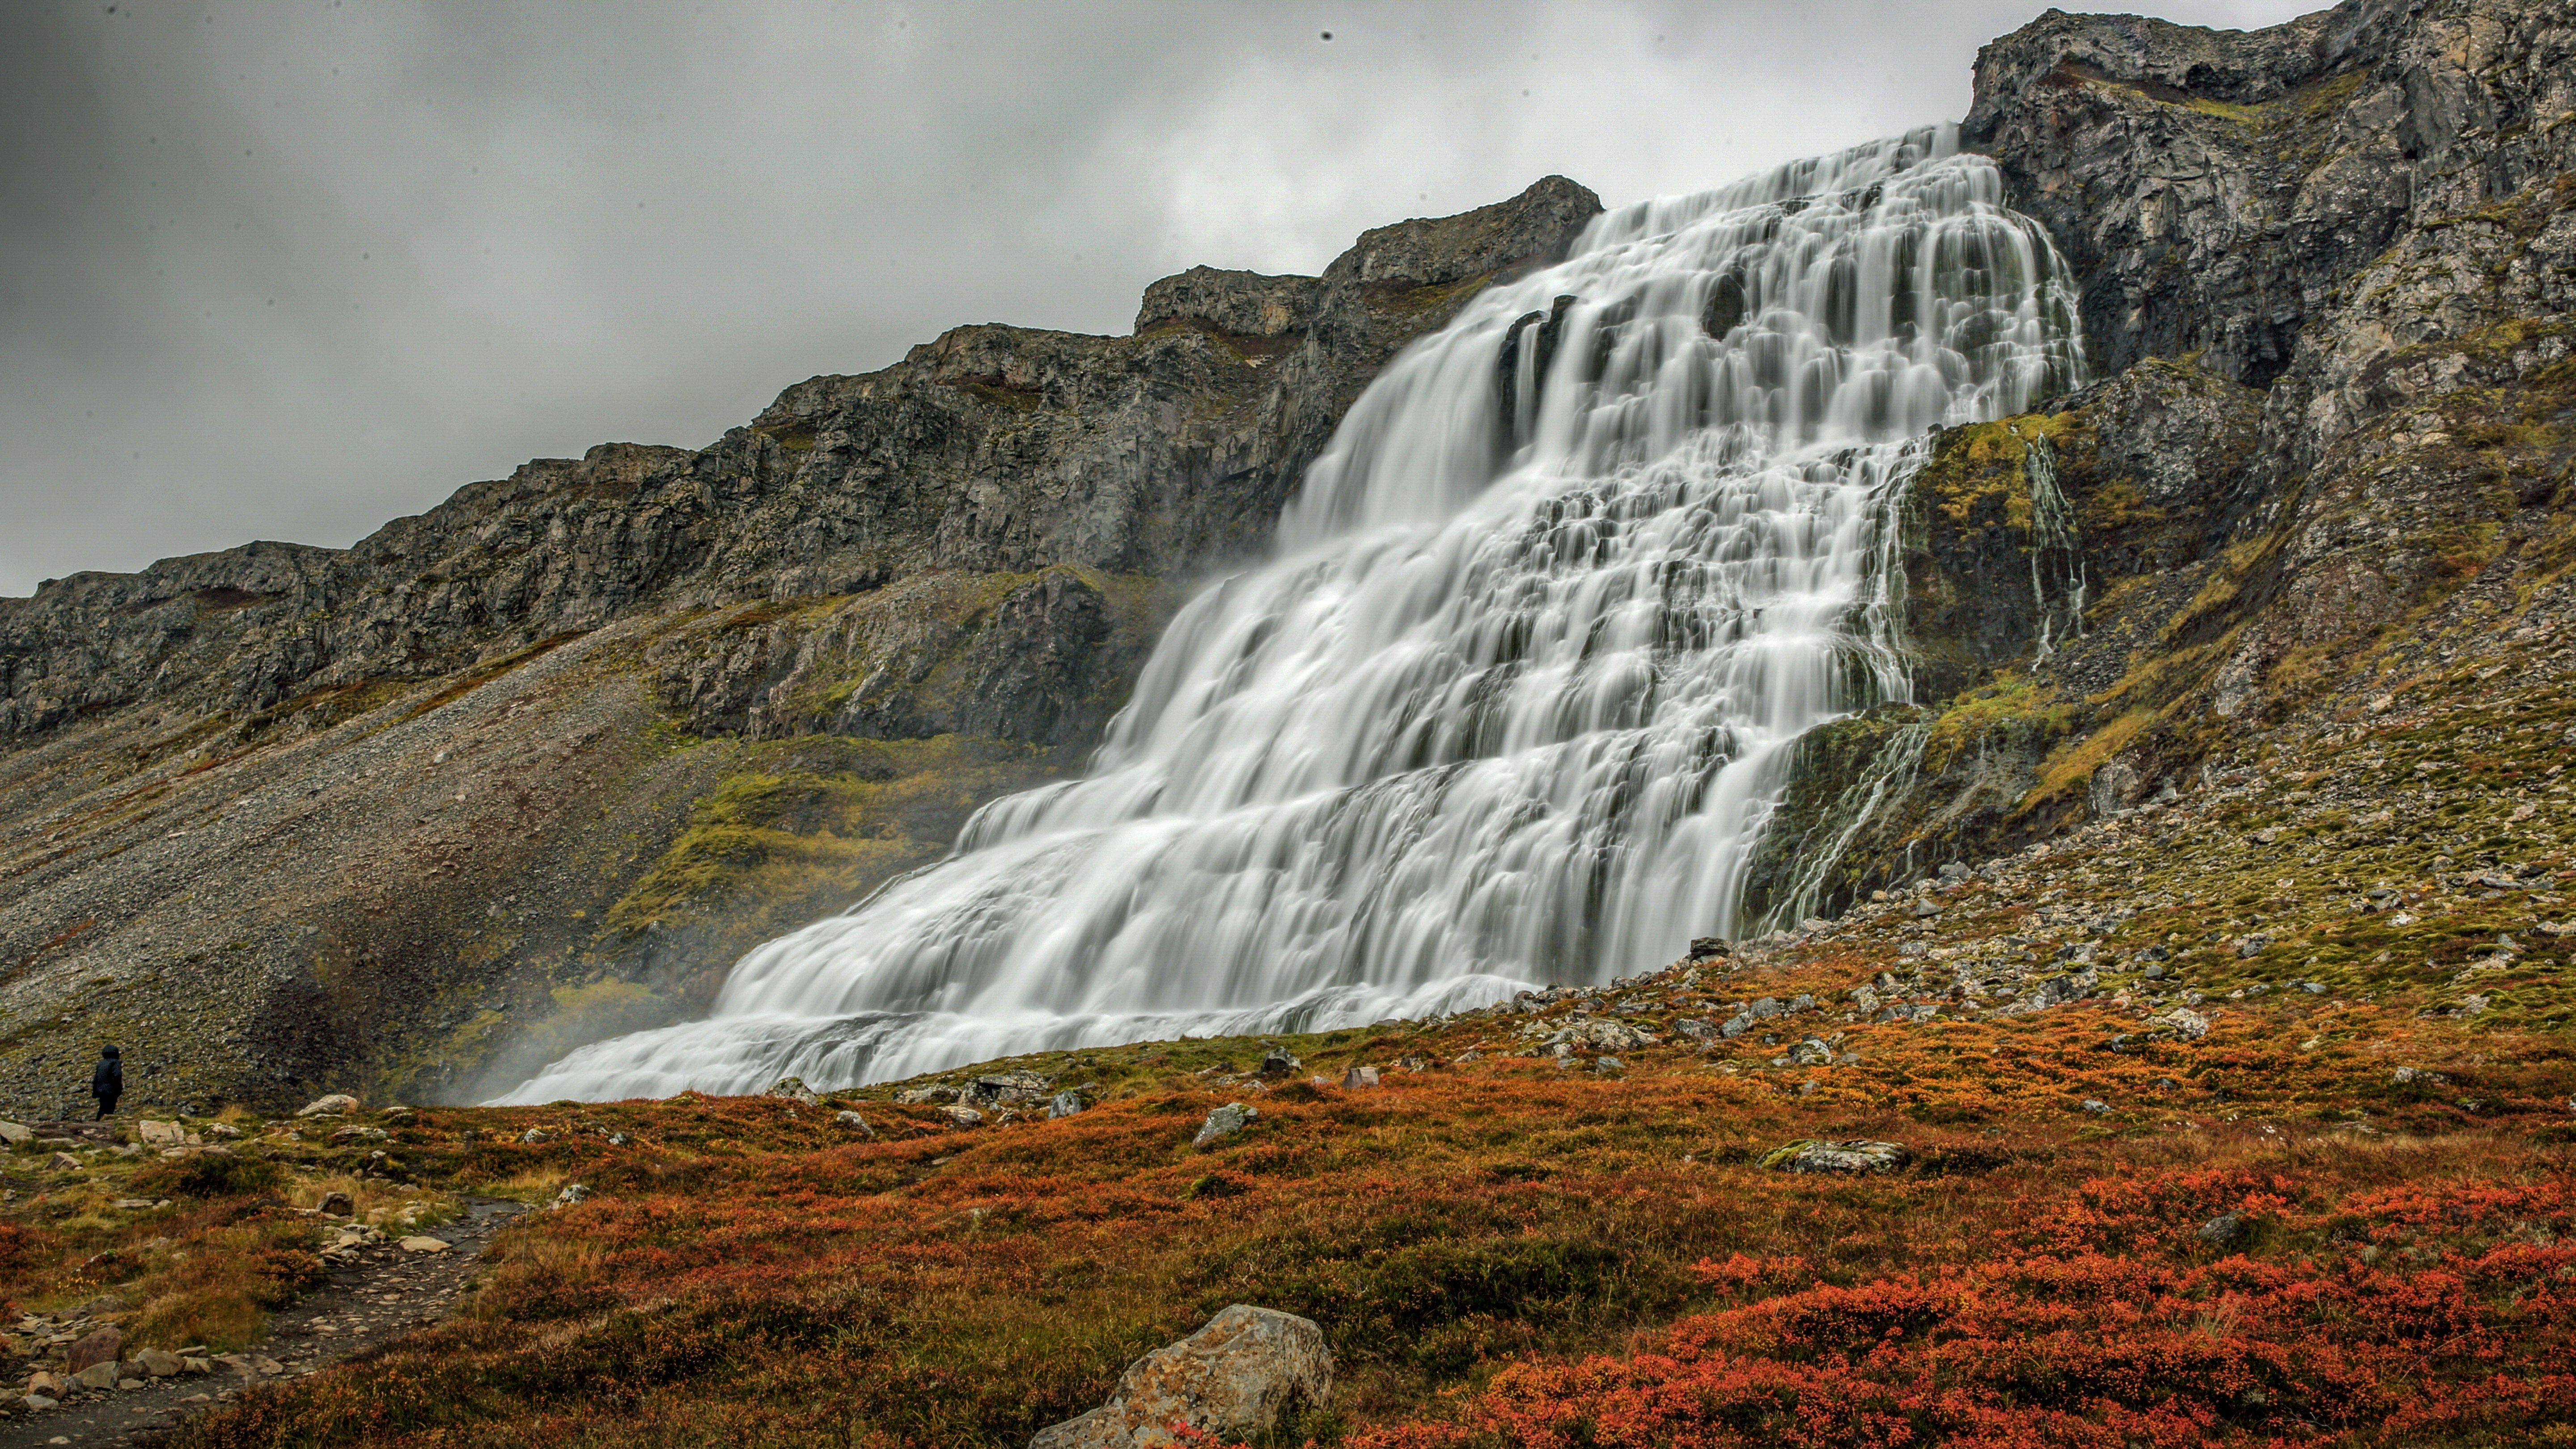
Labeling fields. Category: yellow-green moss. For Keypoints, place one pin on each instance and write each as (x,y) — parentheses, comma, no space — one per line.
(805,827)
(1983,463)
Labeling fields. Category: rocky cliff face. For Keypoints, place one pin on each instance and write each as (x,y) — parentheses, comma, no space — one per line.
(2328,269)
(562,746)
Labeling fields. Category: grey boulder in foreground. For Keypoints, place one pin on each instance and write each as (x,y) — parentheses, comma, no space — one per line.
(1248,1369)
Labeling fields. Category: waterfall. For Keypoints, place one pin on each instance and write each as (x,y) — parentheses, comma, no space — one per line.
(1516,695)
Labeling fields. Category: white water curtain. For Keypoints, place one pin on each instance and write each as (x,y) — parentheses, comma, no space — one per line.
(1514,700)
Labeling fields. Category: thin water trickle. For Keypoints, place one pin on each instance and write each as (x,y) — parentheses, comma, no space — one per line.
(1515,698)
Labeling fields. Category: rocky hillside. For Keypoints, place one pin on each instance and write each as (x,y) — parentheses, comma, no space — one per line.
(535,765)
(538,764)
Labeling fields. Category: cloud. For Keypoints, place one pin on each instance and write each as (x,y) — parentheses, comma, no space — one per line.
(288,271)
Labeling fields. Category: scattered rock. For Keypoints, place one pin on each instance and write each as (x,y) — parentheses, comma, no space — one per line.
(793,1089)
(1004,1089)
(1812,1155)
(1358,1077)
(1811,1052)
(1707,948)
(337,1104)
(2190,1025)
(1609,1064)
(159,1363)
(2223,1231)
(2413,1076)
(2096,1105)
(1241,1375)
(1278,1063)
(573,1195)
(854,1122)
(225,1131)
(14,1133)
(160,1134)
(63,1162)
(533,1135)
(425,1245)
(338,1204)
(98,1346)
(1224,1122)
(41,1401)
(959,1115)
(1067,1103)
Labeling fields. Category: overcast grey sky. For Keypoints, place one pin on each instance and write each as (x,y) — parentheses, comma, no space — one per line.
(289,270)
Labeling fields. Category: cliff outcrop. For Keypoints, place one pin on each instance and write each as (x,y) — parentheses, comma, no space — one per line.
(2329,270)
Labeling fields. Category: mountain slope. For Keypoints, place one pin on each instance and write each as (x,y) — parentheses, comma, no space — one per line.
(558,750)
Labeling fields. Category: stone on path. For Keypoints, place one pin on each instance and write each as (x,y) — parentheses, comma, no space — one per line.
(1241,1375)
(424,1245)
(97,1376)
(98,1346)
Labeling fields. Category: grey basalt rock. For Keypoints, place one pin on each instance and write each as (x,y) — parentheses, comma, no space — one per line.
(1224,1122)
(1234,304)
(2213,188)
(1243,1374)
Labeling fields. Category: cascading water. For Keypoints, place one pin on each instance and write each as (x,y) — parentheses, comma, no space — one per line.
(1515,699)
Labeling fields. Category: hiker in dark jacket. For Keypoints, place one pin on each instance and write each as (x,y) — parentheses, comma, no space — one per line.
(108,1082)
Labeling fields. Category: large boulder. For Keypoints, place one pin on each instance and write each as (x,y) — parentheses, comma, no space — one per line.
(98,1346)
(1242,1374)
(1811,1155)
